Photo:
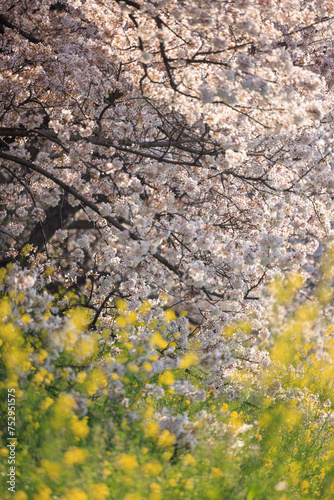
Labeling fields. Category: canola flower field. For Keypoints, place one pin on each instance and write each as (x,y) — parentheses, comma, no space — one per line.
(124,416)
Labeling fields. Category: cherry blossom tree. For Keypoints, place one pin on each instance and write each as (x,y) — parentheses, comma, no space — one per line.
(175,147)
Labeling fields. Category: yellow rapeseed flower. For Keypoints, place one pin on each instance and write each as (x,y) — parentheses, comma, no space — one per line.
(188,484)
(62,410)
(121,305)
(20,495)
(132,496)
(52,469)
(217,473)
(48,271)
(46,403)
(16,358)
(145,307)
(85,347)
(133,368)
(126,462)
(235,421)
(155,492)
(121,322)
(148,413)
(169,315)
(158,341)
(65,403)
(100,491)
(43,376)
(79,428)
(75,494)
(166,378)
(9,332)
(166,439)
(95,380)
(187,360)
(155,487)
(43,494)
(79,318)
(5,309)
(291,417)
(81,376)
(25,318)
(74,455)
(151,429)
(151,468)
(42,355)
(241,326)
(189,460)
(131,317)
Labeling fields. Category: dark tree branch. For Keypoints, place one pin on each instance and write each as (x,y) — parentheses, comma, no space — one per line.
(24,34)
